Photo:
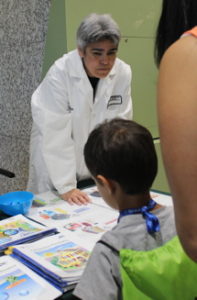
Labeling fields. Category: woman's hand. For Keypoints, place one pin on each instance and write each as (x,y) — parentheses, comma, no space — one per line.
(76,196)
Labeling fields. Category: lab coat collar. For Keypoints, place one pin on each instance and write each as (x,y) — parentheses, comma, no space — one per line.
(75,65)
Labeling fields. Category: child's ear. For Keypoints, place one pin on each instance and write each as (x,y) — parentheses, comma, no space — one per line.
(107,183)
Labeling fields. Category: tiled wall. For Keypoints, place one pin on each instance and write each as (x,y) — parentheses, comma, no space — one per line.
(23,27)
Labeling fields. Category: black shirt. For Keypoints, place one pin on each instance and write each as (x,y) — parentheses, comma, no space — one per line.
(94,82)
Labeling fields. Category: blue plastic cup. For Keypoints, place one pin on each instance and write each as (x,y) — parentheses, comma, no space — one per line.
(15,203)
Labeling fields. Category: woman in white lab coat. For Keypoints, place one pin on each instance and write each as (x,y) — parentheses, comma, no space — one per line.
(81,89)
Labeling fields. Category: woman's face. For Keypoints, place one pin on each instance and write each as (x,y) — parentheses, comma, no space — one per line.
(99,58)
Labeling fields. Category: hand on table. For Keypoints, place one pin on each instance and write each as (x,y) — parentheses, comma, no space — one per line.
(76,196)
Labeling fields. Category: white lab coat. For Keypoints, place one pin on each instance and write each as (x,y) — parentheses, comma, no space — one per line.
(64,114)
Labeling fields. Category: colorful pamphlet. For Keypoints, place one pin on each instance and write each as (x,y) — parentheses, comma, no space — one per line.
(89,222)
(62,212)
(18,282)
(19,229)
(59,259)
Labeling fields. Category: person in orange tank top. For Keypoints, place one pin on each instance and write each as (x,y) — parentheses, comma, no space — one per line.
(176,57)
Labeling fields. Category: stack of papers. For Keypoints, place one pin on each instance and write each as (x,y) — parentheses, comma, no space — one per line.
(19,229)
(59,259)
(19,282)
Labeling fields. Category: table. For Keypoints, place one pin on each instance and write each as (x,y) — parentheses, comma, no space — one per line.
(162,198)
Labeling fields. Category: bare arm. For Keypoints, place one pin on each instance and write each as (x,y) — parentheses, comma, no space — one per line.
(177,111)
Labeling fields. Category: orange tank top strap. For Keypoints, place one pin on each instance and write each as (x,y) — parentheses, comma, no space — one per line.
(192,31)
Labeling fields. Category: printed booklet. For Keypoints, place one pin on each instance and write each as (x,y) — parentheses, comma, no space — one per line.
(60,258)
(18,282)
(90,226)
(89,222)
(19,229)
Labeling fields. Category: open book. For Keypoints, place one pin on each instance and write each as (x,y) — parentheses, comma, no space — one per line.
(19,229)
(18,282)
(58,258)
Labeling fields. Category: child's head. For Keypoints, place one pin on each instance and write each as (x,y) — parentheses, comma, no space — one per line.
(122,151)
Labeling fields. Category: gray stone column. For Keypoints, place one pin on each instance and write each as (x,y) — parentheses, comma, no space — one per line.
(23,27)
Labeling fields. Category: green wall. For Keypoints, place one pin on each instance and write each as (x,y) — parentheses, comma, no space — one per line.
(138,21)
(56,42)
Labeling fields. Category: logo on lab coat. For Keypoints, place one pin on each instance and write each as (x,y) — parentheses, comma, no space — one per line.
(114,100)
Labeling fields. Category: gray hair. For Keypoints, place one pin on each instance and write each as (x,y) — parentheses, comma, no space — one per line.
(95,28)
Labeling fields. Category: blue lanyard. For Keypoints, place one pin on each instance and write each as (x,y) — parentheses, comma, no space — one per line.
(152,222)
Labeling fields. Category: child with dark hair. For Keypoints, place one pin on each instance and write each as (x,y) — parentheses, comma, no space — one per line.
(121,157)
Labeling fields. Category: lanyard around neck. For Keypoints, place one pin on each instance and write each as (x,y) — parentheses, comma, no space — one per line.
(152,222)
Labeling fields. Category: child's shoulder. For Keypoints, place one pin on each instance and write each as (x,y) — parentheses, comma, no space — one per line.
(131,231)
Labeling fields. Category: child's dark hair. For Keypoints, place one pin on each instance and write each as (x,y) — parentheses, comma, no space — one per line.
(123,151)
